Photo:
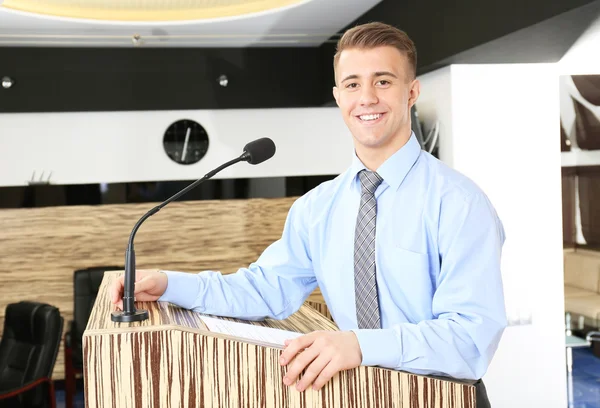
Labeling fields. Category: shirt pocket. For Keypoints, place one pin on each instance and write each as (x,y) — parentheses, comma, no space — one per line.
(396,255)
(407,275)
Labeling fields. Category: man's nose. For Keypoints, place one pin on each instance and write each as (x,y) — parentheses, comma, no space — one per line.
(368,96)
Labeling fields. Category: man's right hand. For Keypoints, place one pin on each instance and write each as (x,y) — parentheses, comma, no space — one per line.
(149,286)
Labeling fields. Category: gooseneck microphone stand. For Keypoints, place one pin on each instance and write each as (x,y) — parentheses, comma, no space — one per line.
(129,312)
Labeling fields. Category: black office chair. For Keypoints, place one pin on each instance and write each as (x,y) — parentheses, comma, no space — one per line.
(86,283)
(32,333)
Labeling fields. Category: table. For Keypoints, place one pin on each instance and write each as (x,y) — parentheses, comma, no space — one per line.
(570,343)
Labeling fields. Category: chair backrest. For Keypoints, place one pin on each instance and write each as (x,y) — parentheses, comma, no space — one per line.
(86,283)
(30,341)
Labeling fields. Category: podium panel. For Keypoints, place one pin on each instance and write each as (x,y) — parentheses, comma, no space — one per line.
(174,360)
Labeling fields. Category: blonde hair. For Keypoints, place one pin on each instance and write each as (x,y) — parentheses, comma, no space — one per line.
(377,34)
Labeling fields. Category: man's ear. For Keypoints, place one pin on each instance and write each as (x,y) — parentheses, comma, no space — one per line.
(414,92)
(336,95)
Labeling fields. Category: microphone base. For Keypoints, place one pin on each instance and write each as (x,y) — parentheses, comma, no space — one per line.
(127,317)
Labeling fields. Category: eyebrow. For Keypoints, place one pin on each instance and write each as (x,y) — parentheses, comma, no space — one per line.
(376,74)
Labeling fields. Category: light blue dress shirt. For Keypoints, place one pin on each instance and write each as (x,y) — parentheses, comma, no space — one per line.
(438,248)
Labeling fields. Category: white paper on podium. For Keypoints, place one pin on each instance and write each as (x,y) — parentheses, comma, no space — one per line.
(249,331)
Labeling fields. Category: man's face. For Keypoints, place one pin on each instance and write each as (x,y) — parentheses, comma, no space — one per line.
(375,92)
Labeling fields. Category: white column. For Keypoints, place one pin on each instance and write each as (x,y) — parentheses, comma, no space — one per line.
(504,133)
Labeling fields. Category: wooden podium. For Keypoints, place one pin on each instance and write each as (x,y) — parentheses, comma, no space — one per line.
(174,360)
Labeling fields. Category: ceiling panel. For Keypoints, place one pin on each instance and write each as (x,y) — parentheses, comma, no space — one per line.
(288,23)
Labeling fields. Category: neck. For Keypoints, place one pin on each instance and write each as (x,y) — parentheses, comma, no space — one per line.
(374,157)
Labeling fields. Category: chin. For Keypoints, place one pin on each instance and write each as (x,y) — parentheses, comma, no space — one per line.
(371,141)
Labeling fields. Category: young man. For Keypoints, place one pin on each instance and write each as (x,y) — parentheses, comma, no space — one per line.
(405,250)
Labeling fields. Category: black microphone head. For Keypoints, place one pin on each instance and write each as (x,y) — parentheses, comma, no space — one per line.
(259,150)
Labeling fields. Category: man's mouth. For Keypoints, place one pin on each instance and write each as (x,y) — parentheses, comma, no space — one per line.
(370,118)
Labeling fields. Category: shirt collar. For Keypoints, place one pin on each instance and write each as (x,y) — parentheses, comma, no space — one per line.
(395,168)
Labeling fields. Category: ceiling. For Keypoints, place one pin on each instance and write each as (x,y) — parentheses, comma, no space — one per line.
(174,23)
(545,42)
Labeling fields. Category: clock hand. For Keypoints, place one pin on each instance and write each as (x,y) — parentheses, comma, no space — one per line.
(185,143)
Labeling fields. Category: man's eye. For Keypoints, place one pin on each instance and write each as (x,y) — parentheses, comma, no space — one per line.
(384,82)
(352,85)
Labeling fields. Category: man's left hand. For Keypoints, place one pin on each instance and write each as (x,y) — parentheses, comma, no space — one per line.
(326,352)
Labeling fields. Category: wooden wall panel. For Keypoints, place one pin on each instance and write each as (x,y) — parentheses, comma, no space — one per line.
(40,248)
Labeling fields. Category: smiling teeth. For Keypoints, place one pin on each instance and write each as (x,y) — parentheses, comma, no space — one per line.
(370,117)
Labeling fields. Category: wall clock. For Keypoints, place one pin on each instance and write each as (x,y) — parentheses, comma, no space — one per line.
(185,141)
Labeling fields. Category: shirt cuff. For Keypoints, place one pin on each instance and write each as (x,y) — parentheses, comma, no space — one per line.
(182,289)
(379,347)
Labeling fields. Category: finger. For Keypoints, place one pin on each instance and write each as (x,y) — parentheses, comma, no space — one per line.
(327,373)
(116,289)
(299,343)
(144,285)
(118,286)
(299,364)
(313,371)
(144,297)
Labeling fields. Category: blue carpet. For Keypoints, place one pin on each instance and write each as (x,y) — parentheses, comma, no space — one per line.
(586,379)
(78,401)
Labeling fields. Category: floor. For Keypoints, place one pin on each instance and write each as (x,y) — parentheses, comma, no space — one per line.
(77,403)
(586,379)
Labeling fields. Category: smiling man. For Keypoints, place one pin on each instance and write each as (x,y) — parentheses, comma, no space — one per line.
(405,250)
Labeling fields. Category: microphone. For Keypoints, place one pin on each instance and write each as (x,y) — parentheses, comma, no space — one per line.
(255,152)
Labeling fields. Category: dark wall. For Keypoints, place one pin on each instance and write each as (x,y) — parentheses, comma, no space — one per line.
(105,79)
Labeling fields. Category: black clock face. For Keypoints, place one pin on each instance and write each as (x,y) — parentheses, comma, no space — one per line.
(185,142)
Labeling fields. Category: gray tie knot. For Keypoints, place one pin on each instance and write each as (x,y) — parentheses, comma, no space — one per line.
(369,180)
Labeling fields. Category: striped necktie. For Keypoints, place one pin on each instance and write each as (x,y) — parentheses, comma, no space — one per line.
(365,284)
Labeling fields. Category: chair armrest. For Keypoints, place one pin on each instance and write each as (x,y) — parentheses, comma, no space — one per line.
(69,334)
(593,336)
(16,391)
